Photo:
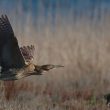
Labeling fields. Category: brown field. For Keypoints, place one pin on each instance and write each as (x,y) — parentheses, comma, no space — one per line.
(84,50)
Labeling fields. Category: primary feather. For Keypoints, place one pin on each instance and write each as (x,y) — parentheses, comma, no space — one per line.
(10,54)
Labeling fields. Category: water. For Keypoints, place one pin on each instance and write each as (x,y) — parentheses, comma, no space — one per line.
(38,13)
(76,8)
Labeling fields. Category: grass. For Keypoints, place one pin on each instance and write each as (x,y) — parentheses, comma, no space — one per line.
(83,47)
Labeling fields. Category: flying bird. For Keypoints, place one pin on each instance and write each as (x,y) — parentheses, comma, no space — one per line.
(17,62)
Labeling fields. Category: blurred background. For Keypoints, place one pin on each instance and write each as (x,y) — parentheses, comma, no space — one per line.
(73,33)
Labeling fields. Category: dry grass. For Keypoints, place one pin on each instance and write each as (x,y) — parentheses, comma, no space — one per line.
(83,47)
(80,85)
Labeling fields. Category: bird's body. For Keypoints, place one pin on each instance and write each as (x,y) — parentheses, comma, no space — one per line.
(16,62)
(14,74)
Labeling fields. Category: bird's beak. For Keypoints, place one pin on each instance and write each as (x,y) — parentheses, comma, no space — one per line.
(57,66)
(49,67)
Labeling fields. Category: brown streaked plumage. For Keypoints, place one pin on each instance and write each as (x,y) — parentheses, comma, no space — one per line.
(17,62)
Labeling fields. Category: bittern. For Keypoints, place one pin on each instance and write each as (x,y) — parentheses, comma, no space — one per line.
(16,62)
(107,98)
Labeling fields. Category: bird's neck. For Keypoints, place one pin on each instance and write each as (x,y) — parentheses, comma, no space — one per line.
(30,67)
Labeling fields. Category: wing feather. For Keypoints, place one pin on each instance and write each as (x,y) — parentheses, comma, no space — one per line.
(10,54)
(28,52)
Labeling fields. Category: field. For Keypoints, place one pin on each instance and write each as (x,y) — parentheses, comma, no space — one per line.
(83,47)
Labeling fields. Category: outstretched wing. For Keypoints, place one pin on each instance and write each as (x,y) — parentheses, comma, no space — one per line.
(28,53)
(10,54)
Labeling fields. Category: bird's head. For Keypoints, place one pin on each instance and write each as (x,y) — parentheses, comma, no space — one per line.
(50,66)
(40,69)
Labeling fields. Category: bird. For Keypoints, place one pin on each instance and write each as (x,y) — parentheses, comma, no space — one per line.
(17,62)
(107,98)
